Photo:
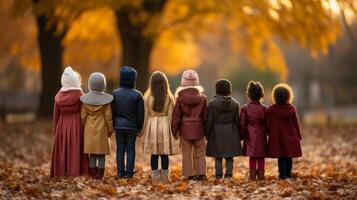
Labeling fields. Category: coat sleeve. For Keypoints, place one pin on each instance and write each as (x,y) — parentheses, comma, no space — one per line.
(113,110)
(56,114)
(268,121)
(176,117)
(146,111)
(171,108)
(243,122)
(109,119)
(84,114)
(297,124)
(237,118)
(205,110)
(210,120)
(140,112)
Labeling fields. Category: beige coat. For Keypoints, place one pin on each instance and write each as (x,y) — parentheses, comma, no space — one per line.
(158,138)
(98,126)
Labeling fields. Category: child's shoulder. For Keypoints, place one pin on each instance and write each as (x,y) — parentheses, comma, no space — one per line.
(127,90)
(287,110)
(252,104)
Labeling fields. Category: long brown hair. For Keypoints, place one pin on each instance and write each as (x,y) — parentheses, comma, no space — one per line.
(159,89)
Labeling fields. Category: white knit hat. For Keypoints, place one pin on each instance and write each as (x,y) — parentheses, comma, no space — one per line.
(70,80)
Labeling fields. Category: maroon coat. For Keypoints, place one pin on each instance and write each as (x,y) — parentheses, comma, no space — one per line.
(253,129)
(189,114)
(67,157)
(284,131)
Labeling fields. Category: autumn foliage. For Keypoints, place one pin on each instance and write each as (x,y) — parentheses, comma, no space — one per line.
(327,170)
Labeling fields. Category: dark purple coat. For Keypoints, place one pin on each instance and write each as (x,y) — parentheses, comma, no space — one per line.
(284,131)
(253,129)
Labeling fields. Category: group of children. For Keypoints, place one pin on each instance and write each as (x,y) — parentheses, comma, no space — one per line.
(185,121)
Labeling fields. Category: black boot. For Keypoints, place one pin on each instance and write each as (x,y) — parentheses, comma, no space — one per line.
(93,172)
(100,173)
(252,174)
(261,174)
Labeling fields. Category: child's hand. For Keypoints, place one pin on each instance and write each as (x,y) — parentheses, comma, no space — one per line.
(140,134)
(110,134)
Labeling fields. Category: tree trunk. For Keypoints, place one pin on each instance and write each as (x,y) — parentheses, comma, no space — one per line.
(136,50)
(51,51)
(136,46)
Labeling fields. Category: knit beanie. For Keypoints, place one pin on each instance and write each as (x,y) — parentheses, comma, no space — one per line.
(70,80)
(189,78)
(97,82)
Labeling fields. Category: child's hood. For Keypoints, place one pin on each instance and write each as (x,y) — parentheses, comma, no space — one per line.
(283,111)
(67,98)
(190,96)
(224,103)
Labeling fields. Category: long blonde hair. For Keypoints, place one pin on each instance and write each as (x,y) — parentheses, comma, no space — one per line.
(159,89)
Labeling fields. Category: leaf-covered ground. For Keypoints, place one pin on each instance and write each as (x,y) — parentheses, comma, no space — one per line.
(327,170)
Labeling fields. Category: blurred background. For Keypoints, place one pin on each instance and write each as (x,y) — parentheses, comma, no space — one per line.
(311,44)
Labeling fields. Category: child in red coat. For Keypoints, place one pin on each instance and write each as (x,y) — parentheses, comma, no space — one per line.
(253,129)
(284,130)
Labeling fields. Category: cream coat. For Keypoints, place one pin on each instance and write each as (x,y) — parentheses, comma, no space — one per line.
(98,126)
(158,138)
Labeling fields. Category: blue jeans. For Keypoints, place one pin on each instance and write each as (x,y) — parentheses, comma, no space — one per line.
(125,144)
(285,166)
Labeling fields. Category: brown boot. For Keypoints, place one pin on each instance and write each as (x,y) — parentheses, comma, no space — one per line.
(252,174)
(261,174)
(100,173)
(93,172)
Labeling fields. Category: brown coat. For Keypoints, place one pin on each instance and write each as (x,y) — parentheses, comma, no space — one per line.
(190,113)
(98,126)
(158,138)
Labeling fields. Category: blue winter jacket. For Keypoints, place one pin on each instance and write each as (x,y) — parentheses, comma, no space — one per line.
(128,104)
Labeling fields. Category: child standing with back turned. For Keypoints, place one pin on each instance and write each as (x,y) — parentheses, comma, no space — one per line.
(98,124)
(68,158)
(188,119)
(128,120)
(222,129)
(158,138)
(283,129)
(253,128)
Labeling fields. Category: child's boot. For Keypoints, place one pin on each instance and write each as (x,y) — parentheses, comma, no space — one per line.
(100,173)
(252,174)
(261,174)
(155,176)
(165,176)
(219,176)
(201,178)
(93,172)
(228,177)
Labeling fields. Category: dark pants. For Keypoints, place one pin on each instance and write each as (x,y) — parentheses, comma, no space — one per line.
(93,158)
(154,161)
(125,144)
(285,165)
(219,168)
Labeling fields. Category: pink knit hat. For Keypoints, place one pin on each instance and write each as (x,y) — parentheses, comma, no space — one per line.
(190,78)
